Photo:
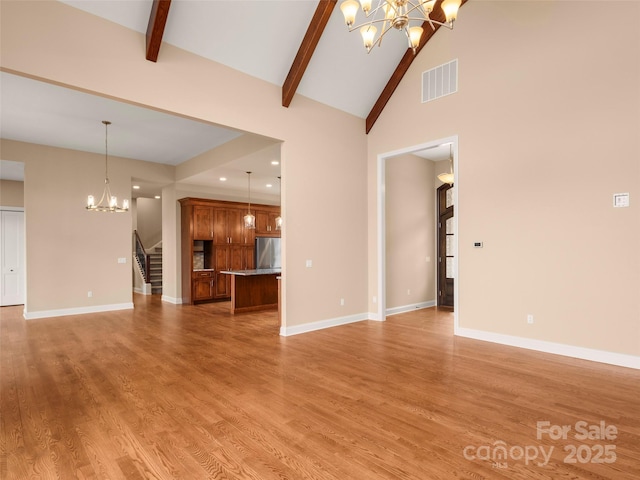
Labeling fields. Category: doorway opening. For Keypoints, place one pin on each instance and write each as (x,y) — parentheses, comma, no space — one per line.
(380,297)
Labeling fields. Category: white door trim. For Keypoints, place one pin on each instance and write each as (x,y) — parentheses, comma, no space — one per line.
(381,254)
(17,261)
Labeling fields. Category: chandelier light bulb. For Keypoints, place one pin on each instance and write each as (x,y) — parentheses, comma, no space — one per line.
(415,33)
(366,6)
(368,33)
(349,9)
(450,9)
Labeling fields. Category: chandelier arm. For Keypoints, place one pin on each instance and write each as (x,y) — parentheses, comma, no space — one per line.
(364,24)
(432,22)
(104,192)
(384,31)
(381,20)
(374,11)
(425,16)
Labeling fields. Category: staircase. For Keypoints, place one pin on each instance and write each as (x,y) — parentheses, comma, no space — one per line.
(155,270)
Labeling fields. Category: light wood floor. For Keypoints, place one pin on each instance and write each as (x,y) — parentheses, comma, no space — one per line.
(190,392)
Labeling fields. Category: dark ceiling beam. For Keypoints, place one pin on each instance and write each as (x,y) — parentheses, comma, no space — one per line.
(155,29)
(404,65)
(307,47)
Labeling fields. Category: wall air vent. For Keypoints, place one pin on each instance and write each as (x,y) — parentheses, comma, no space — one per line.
(440,81)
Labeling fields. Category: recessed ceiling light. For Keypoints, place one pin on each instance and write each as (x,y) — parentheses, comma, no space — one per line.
(269,185)
(275,162)
(136,187)
(158,197)
(223,179)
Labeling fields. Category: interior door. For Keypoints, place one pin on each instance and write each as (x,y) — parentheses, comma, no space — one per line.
(446,245)
(11,258)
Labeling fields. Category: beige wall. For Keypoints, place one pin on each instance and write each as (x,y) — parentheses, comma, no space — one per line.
(410,231)
(11,193)
(149,221)
(543,101)
(52,41)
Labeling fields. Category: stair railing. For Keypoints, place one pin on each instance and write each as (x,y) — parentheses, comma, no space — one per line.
(143,258)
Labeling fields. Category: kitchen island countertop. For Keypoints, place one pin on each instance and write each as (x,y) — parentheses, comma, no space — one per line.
(259,271)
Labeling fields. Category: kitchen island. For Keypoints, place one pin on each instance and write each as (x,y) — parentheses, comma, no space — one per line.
(253,290)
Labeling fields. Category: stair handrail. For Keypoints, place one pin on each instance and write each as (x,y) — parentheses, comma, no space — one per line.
(143,257)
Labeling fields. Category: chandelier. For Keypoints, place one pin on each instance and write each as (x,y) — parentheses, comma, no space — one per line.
(249,218)
(397,14)
(111,202)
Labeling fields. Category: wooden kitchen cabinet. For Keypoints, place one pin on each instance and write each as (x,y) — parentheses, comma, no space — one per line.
(266,224)
(203,223)
(231,257)
(228,226)
(214,239)
(203,285)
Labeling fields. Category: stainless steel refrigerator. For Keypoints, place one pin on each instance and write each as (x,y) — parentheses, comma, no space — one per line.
(268,252)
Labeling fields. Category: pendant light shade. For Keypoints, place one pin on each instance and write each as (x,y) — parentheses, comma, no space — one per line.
(448,177)
(279,217)
(249,218)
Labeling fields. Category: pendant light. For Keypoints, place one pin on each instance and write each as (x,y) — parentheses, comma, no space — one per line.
(279,217)
(111,202)
(448,177)
(249,219)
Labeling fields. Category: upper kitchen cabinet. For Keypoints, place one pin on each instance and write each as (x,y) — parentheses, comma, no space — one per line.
(228,227)
(203,222)
(266,222)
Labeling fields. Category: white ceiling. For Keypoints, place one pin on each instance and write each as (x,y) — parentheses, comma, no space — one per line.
(340,74)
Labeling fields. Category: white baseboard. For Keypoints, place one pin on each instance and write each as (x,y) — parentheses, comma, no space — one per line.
(145,290)
(612,358)
(322,324)
(77,311)
(174,300)
(410,308)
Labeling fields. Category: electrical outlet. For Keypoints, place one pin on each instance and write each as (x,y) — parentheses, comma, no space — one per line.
(408,292)
(309,264)
(529,319)
(342,302)
(89,294)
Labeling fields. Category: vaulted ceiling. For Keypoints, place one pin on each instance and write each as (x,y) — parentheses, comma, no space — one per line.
(302,46)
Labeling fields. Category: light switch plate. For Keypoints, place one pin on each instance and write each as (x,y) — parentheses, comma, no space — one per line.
(620,200)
